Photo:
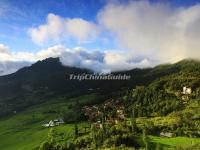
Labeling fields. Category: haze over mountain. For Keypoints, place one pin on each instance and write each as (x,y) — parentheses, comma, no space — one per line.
(49,78)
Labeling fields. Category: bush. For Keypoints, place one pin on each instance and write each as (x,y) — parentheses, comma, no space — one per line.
(45,146)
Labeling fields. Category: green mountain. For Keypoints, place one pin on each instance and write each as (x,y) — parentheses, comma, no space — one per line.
(49,78)
(151,99)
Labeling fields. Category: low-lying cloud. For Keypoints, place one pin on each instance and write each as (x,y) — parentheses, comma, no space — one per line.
(101,62)
(97,61)
(146,34)
(8,67)
(10,61)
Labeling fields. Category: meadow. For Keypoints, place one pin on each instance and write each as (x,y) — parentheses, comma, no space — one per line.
(24,131)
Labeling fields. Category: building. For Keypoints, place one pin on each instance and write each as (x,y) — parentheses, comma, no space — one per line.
(187,90)
(185,96)
(167,134)
(53,123)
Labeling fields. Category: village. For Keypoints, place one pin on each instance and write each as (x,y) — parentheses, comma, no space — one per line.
(112,112)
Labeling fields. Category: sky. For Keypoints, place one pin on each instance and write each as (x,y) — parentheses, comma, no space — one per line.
(101,35)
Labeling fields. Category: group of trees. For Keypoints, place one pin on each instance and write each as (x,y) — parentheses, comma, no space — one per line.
(148,102)
(154,100)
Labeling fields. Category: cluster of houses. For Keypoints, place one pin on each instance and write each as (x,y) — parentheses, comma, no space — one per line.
(110,112)
(187,90)
(185,95)
(96,115)
(55,122)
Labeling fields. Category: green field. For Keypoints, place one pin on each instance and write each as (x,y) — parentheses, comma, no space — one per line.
(23,131)
(183,142)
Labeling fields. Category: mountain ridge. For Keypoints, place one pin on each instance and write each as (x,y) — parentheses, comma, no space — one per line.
(49,78)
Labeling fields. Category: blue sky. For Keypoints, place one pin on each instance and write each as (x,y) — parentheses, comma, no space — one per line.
(17,16)
(125,33)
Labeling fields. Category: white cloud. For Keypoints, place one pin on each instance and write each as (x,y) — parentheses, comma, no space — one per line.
(8,67)
(101,61)
(53,29)
(154,31)
(149,33)
(4,49)
(7,55)
(97,61)
(58,28)
(81,29)
(13,61)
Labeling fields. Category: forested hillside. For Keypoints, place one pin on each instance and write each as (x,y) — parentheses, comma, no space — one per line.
(102,114)
(48,78)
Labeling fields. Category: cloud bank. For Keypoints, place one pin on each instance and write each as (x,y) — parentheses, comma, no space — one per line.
(101,62)
(10,61)
(146,34)
(154,30)
(141,28)
(97,61)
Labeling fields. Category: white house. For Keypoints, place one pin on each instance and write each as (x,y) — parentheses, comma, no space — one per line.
(167,134)
(53,123)
(58,122)
(187,90)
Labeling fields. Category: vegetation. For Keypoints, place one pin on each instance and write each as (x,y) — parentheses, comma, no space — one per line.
(134,132)
(148,112)
(24,131)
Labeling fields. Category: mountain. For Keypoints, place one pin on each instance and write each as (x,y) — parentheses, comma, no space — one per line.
(35,84)
(49,78)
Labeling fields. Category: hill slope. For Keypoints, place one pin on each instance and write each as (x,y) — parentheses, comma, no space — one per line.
(43,92)
(48,78)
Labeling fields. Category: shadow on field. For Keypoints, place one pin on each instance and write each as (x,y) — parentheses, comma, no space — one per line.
(157,146)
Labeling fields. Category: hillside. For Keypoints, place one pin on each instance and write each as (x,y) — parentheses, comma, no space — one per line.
(152,103)
(23,131)
(48,78)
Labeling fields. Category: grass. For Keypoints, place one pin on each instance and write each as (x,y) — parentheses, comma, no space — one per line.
(183,142)
(192,109)
(23,140)
(23,131)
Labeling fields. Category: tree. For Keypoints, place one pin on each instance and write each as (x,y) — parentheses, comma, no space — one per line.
(45,146)
(94,136)
(145,138)
(76,130)
(133,121)
(52,136)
